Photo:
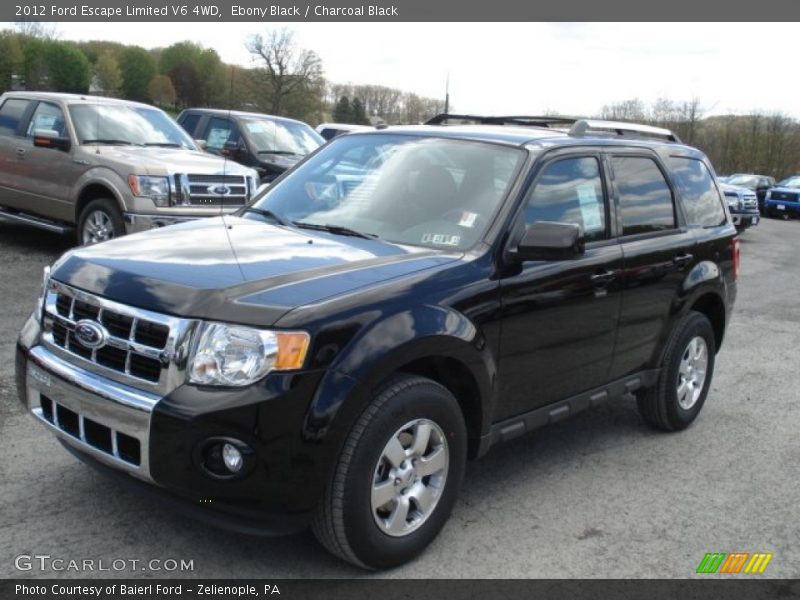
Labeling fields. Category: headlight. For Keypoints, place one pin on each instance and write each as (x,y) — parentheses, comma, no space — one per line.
(236,356)
(43,293)
(155,188)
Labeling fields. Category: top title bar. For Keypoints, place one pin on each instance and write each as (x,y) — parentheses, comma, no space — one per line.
(398,10)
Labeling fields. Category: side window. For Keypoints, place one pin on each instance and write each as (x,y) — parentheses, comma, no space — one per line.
(570,191)
(189,122)
(218,131)
(700,197)
(645,198)
(10,115)
(47,116)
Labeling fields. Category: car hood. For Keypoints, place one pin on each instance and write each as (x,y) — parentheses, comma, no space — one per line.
(236,269)
(743,191)
(786,189)
(152,160)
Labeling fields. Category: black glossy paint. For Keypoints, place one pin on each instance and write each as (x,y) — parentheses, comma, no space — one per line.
(508,337)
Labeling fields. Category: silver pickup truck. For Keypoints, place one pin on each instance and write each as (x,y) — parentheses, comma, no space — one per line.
(106,167)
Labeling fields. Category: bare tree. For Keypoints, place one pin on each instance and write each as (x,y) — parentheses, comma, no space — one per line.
(287,71)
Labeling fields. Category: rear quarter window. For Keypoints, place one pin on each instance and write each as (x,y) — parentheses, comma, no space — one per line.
(700,198)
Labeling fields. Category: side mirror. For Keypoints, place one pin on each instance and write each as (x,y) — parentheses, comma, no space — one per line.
(202,144)
(547,240)
(48,138)
(231,148)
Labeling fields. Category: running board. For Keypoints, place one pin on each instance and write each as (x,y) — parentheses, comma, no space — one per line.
(552,413)
(39,222)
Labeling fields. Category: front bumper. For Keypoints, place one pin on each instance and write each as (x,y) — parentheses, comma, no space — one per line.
(743,220)
(135,222)
(154,441)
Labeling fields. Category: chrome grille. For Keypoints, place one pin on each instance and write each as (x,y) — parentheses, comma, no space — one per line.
(750,201)
(211,190)
(140,348)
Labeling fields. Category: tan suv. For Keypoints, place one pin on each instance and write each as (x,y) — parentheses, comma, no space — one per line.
(107,167)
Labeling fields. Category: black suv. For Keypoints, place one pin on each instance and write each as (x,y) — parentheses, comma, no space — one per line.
(399,302)
(269,144)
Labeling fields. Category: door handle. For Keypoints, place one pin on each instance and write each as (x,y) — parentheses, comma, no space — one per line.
(20,151)
(683,259)
(603,277)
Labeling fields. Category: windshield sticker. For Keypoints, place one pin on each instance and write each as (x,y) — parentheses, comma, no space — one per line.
(590,207)
(468,219)
(441,239)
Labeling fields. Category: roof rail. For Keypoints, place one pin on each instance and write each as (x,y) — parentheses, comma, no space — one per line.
(586,127)
(526,121)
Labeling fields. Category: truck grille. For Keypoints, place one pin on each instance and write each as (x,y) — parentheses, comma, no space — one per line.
(750,202)
(212,190)
(140,348)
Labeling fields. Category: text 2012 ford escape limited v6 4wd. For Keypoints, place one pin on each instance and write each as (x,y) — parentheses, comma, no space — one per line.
(399,302)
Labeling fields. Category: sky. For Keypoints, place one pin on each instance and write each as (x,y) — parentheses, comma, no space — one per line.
(525,68)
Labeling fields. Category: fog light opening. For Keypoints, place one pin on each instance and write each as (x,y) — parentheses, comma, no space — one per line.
(225,458)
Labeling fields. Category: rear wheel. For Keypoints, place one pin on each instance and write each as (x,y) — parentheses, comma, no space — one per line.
(398,475)
(99,221)
(686,372)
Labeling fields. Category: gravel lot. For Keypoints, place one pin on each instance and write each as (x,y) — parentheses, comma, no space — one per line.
(599,495)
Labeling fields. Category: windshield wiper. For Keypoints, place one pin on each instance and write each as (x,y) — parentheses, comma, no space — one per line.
(109,142)
(163,144)
(335,229)
(267,213)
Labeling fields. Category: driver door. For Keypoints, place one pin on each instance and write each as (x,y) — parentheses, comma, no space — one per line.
(559,317)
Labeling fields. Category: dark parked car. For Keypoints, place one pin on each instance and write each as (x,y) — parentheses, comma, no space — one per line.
(756,183)
(783,201)
(742,204)
(267,143)
(399,302)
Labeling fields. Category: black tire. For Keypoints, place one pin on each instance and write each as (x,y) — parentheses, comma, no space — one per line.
(110,211)
(659,405)
(345,523)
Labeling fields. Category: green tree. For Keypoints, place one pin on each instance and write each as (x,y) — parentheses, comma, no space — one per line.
(108,73)
(161,90)
(34,64)
(342,111)
(69,69)
(214,80)
(138,69)
(358,113)
(10,59)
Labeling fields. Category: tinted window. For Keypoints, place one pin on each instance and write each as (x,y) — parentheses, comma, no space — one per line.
(570,191)
(644,196)
(189,122)
(700,197)
(218,132)
(10,114)
(48,117)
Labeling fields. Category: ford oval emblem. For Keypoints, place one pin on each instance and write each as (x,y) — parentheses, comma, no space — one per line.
(90,334)
(219,190)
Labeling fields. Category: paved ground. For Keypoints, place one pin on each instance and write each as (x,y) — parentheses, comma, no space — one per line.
(596,496)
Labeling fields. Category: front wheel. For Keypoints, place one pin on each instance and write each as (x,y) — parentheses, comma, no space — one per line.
(398,475)
(686,372)
(100,220)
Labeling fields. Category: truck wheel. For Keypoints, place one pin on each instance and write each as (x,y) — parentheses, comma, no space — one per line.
(686,372)
(99,221)
(397,477)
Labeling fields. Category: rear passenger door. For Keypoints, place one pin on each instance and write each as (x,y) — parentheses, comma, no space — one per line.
(658,250)
(13,113)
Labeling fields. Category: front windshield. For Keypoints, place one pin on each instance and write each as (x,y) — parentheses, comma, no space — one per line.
(790,182)
(422,191)
(281,137)
(127,125)
(747,181)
